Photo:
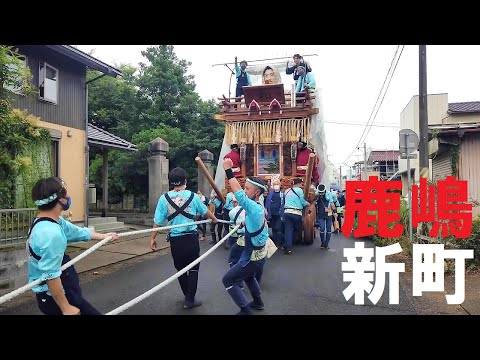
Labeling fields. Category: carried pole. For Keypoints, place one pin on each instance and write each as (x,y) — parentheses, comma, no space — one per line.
(310,213)
(308,174)
(202,167)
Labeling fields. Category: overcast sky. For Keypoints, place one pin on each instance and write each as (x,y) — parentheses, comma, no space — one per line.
(350,78)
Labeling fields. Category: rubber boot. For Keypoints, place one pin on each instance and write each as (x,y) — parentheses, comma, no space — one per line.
(238,297)
(190,301)
(245,311)
(322,239)
(183,280)
(257,303)
(214,238)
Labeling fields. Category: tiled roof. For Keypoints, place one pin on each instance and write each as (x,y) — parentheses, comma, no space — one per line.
(464,107)
(101,138)
(386,155)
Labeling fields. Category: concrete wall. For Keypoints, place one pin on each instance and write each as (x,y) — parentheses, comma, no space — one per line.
(334,174)
(462,119)
(437,105)
(72,165)
(135,218)
(13,268)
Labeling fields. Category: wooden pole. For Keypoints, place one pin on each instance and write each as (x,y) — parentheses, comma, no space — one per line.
(310,213)
(308,175)
(202,167)
(294,160)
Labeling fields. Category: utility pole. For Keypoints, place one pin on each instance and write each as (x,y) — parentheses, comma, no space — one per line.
(423,125)
(340,177)
(365,160)
(410,228)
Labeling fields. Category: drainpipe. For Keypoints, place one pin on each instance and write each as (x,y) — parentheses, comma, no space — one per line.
(87,150)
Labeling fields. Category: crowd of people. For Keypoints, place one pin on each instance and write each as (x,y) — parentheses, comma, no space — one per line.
(254,208)
(301,70)
(259,207)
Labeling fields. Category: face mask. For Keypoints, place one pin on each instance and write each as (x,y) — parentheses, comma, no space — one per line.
(276,188)
(67,205)
(243,67)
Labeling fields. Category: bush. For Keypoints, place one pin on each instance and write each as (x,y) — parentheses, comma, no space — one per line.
(403,239)
(379,241)
(472,242)
(450,242)
(19,132)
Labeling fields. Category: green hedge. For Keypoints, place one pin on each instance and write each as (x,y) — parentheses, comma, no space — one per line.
(38,152)
(24,157)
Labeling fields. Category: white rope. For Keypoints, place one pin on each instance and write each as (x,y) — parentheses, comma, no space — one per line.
(31,285)
(171,278)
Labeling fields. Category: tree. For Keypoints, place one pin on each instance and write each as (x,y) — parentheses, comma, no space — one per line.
(158,102)
(114,104)
(164,83)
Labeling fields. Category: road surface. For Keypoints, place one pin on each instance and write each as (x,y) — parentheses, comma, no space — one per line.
(308,282)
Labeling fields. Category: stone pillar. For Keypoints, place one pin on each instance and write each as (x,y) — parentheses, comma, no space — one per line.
(157,172)
(203,184)
(105,183)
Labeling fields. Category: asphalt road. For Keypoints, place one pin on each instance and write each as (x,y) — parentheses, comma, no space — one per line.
(308,282)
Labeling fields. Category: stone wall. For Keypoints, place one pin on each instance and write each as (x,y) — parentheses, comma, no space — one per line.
(13,268)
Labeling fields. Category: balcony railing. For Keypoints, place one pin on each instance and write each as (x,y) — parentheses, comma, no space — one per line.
(14,225)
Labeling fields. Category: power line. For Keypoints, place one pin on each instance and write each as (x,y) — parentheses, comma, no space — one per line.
(388,85)
(376,102)
(359,122)
(362,124)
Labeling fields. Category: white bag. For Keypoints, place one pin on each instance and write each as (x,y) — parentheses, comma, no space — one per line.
(271,248)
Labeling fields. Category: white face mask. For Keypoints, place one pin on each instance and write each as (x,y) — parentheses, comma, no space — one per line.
(276,188)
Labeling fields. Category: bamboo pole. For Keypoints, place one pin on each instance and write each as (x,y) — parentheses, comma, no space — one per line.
(202,167)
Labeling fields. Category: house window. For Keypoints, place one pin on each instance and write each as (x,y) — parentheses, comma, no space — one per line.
(14,67)
(48,83)
(54,158)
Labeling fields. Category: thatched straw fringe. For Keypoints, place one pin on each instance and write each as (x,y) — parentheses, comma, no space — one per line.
(267,131)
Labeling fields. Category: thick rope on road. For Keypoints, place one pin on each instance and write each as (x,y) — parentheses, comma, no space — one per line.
(171,278)
(31,285)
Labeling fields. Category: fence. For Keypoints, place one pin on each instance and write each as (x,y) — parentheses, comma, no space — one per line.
(14,225)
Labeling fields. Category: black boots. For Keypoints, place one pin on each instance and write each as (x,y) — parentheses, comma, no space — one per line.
(245,311)
(257,303)
(191,304)
(192,281)
(214,238)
